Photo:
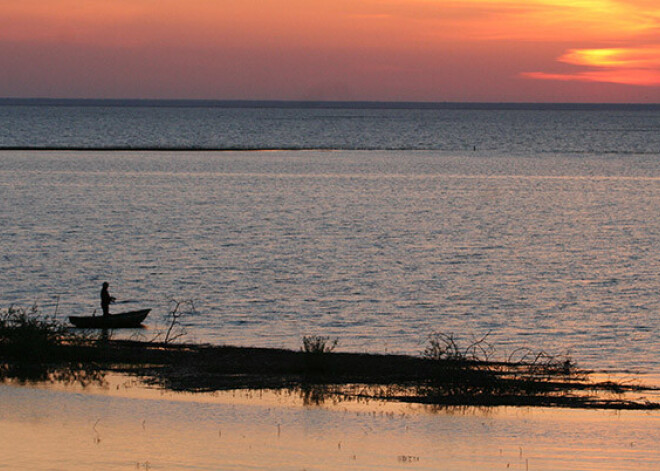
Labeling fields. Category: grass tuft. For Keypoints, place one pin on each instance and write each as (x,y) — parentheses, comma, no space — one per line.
(29,336)
(445,347)
(35,347)
(318,344)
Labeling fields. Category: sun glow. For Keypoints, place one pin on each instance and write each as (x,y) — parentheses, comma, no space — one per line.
(628,66)
(646,57)
(633,62)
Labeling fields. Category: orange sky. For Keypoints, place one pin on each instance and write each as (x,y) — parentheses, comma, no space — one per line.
(418,50)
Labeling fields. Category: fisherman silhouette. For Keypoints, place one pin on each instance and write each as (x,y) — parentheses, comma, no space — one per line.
(106,299)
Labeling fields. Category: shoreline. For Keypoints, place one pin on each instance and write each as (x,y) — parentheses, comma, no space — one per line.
(37,349)
(328,375)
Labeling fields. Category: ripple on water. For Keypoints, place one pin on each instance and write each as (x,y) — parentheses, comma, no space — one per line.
(376,248)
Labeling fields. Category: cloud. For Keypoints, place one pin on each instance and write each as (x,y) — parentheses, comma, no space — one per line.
(628,22)
(532,20)
(626,65)
(645,57)
(649,78)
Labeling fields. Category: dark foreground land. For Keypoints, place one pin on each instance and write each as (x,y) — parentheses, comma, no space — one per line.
(34,348)
(324,375)
(37,350)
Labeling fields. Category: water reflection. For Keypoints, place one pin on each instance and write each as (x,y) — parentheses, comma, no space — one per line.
(124,425)
(83,375)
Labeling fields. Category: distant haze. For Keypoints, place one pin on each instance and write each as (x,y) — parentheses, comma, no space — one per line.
(394,50)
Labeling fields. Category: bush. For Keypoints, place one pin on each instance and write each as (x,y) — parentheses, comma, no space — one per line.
(26,335)
(318,344)
(445,347)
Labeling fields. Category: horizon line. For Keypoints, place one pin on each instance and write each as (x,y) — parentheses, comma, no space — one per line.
(256,103)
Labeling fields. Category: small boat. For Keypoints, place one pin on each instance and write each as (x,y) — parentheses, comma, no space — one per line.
(113,321)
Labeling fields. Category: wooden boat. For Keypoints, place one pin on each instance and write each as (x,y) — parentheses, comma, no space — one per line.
(114,321)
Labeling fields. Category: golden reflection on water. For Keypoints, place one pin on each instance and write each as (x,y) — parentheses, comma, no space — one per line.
(122,425)
(126,386)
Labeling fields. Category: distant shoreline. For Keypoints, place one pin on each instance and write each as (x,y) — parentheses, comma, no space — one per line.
(163,149)
(299,104)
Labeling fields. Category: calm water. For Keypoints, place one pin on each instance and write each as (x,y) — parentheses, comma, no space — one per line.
(546,236)
(117,430)
(498,129)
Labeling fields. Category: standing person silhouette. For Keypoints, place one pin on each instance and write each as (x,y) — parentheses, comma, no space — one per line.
(106,299)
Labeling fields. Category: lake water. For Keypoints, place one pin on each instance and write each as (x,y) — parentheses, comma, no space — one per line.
(126,428)
(538,226)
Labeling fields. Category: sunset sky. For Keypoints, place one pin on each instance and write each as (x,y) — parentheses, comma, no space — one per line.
(390,50)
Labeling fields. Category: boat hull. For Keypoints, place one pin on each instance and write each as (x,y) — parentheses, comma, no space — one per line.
(114,321)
